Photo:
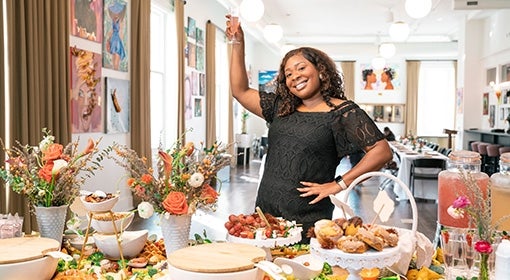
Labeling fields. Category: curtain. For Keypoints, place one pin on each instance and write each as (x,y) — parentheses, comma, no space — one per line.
(181,40)
(349,78)
(210,75)
(413,75)
(3,191)
(38,58)
(140,78)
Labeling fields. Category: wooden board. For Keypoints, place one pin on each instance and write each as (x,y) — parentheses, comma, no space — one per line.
(19,249)
(217,257)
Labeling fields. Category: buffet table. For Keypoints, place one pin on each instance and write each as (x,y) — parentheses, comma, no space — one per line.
(406,155)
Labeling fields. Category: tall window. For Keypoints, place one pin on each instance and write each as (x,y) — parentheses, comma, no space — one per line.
(222,89)
(163,74)
(436,98)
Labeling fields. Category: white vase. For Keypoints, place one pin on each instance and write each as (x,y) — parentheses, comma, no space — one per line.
(51,221)
(175,230)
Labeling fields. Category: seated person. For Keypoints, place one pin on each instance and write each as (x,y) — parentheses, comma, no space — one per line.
(389,134)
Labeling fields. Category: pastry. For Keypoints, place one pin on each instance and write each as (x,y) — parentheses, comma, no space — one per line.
(390,237)
(327,233)
(351,244)
(370,239)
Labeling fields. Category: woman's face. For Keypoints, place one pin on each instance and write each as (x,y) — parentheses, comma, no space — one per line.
(384,77)
(85,97)
(371,78)
(301,77)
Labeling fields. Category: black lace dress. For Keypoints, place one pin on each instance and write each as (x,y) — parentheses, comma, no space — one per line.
(308,146)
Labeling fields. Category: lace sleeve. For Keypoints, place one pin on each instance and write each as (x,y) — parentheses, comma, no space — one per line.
(353,129)
(269,105)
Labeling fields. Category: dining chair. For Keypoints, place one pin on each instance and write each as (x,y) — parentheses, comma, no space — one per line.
(426,169)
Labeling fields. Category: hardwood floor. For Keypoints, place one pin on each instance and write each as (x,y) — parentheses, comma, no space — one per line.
(238,192)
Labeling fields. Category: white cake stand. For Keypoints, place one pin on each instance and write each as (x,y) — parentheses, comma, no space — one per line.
(268,243)
(370,259)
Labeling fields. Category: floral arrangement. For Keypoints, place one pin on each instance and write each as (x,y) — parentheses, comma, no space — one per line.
(49,174)
(182,182)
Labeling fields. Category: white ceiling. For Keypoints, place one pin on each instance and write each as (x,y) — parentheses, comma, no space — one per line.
(308,22)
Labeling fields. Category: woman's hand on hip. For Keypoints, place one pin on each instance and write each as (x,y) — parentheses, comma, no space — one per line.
(320,190)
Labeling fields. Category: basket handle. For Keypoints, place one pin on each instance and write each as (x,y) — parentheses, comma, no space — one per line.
(389,176)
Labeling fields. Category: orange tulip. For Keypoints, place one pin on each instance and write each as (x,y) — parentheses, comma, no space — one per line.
(90,147)
(167,161)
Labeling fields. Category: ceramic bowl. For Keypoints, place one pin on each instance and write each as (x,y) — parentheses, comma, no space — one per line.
(132,243)
(42,268)
(102,222)
(304,266)
(102,206)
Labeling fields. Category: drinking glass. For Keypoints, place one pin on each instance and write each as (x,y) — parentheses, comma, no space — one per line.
(451,244)
(469,251)
(234,24)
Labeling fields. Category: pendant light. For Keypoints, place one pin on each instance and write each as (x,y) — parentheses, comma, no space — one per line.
(252,10)
(387,50)
(399,31)
(418,8)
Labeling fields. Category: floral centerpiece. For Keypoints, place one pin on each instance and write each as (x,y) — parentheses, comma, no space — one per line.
(49,174)
(182,181)
(476,205)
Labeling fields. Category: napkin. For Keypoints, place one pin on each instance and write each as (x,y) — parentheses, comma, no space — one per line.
(410,245)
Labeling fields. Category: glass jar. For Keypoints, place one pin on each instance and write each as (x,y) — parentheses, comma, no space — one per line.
(451,185)
(500,192)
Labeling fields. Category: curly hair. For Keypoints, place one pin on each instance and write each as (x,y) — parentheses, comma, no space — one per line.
(365,73)
(390,72)
(331,81)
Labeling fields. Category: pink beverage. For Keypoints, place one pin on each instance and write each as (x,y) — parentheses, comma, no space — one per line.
(451,186)
(500,193)
(234,20)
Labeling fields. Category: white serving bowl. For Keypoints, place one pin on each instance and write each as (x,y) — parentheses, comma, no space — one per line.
(311,270)
(102,206)
(102,222)
(42,268)
(250,274)
(132,243)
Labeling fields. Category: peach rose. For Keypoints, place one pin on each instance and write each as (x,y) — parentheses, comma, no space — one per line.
(130,181)
(175,203)
(54,151)
(209,195)
(45,172)
(146,178)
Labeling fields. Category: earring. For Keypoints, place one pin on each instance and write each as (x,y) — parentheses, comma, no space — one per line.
(321,77)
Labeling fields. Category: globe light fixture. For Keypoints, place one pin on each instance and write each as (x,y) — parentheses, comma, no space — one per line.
(273,32)
(387,50)
(418,8)
(252,10)
(399,31)
(378,62)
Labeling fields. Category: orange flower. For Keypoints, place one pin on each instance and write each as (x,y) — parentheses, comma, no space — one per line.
(146,178)
(53,152)
(209,195)
(90,147)
(130,181)
(175,203)
(167,161)
(190,147)
(45,172)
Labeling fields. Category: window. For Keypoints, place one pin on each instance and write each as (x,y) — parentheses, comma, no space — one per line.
(163,75)
(436,98)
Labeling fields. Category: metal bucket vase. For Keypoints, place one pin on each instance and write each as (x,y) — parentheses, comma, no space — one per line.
(51,221)
(175,230)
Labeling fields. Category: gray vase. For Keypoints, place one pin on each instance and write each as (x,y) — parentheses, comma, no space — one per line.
(51,221)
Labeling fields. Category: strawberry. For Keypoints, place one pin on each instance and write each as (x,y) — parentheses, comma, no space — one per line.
(446,236)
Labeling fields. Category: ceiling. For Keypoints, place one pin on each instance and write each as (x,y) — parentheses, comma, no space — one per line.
(307,22)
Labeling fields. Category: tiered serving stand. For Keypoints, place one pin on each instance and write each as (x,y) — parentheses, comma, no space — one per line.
(90,213)
(370,259)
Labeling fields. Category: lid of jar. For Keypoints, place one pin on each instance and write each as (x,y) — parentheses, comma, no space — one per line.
(505,157)
(465,157)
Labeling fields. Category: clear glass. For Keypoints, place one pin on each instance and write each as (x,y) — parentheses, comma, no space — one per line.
(451,185)
(452,244)
(234,24)
(500,192)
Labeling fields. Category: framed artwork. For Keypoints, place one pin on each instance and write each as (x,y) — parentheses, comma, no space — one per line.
(86,94)
(505,73)
(267,80)
(192,59)
(87,19)
(391,113)
(200,58)
(195,80)
(198,107)
(192,29)
(201,84)
(491,75)
(188,92)
(117,105)
(115,47)
(200,36)
(485,101)
(386,79)
(492,115)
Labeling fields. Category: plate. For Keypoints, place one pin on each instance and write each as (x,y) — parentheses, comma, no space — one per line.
(304,266)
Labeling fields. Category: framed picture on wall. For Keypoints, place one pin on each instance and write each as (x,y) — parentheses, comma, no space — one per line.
(505,73)
(492,115)
(117,105)
(485,100)
(385,79)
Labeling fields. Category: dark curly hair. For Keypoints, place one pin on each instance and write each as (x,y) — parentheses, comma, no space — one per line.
(365,73)
(331,82)
(390,72)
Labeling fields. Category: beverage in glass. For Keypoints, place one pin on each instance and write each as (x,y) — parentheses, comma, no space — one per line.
(234,24)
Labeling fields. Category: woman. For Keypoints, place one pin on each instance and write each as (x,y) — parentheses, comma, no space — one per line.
(387,76)
(369,78)
(312,126)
